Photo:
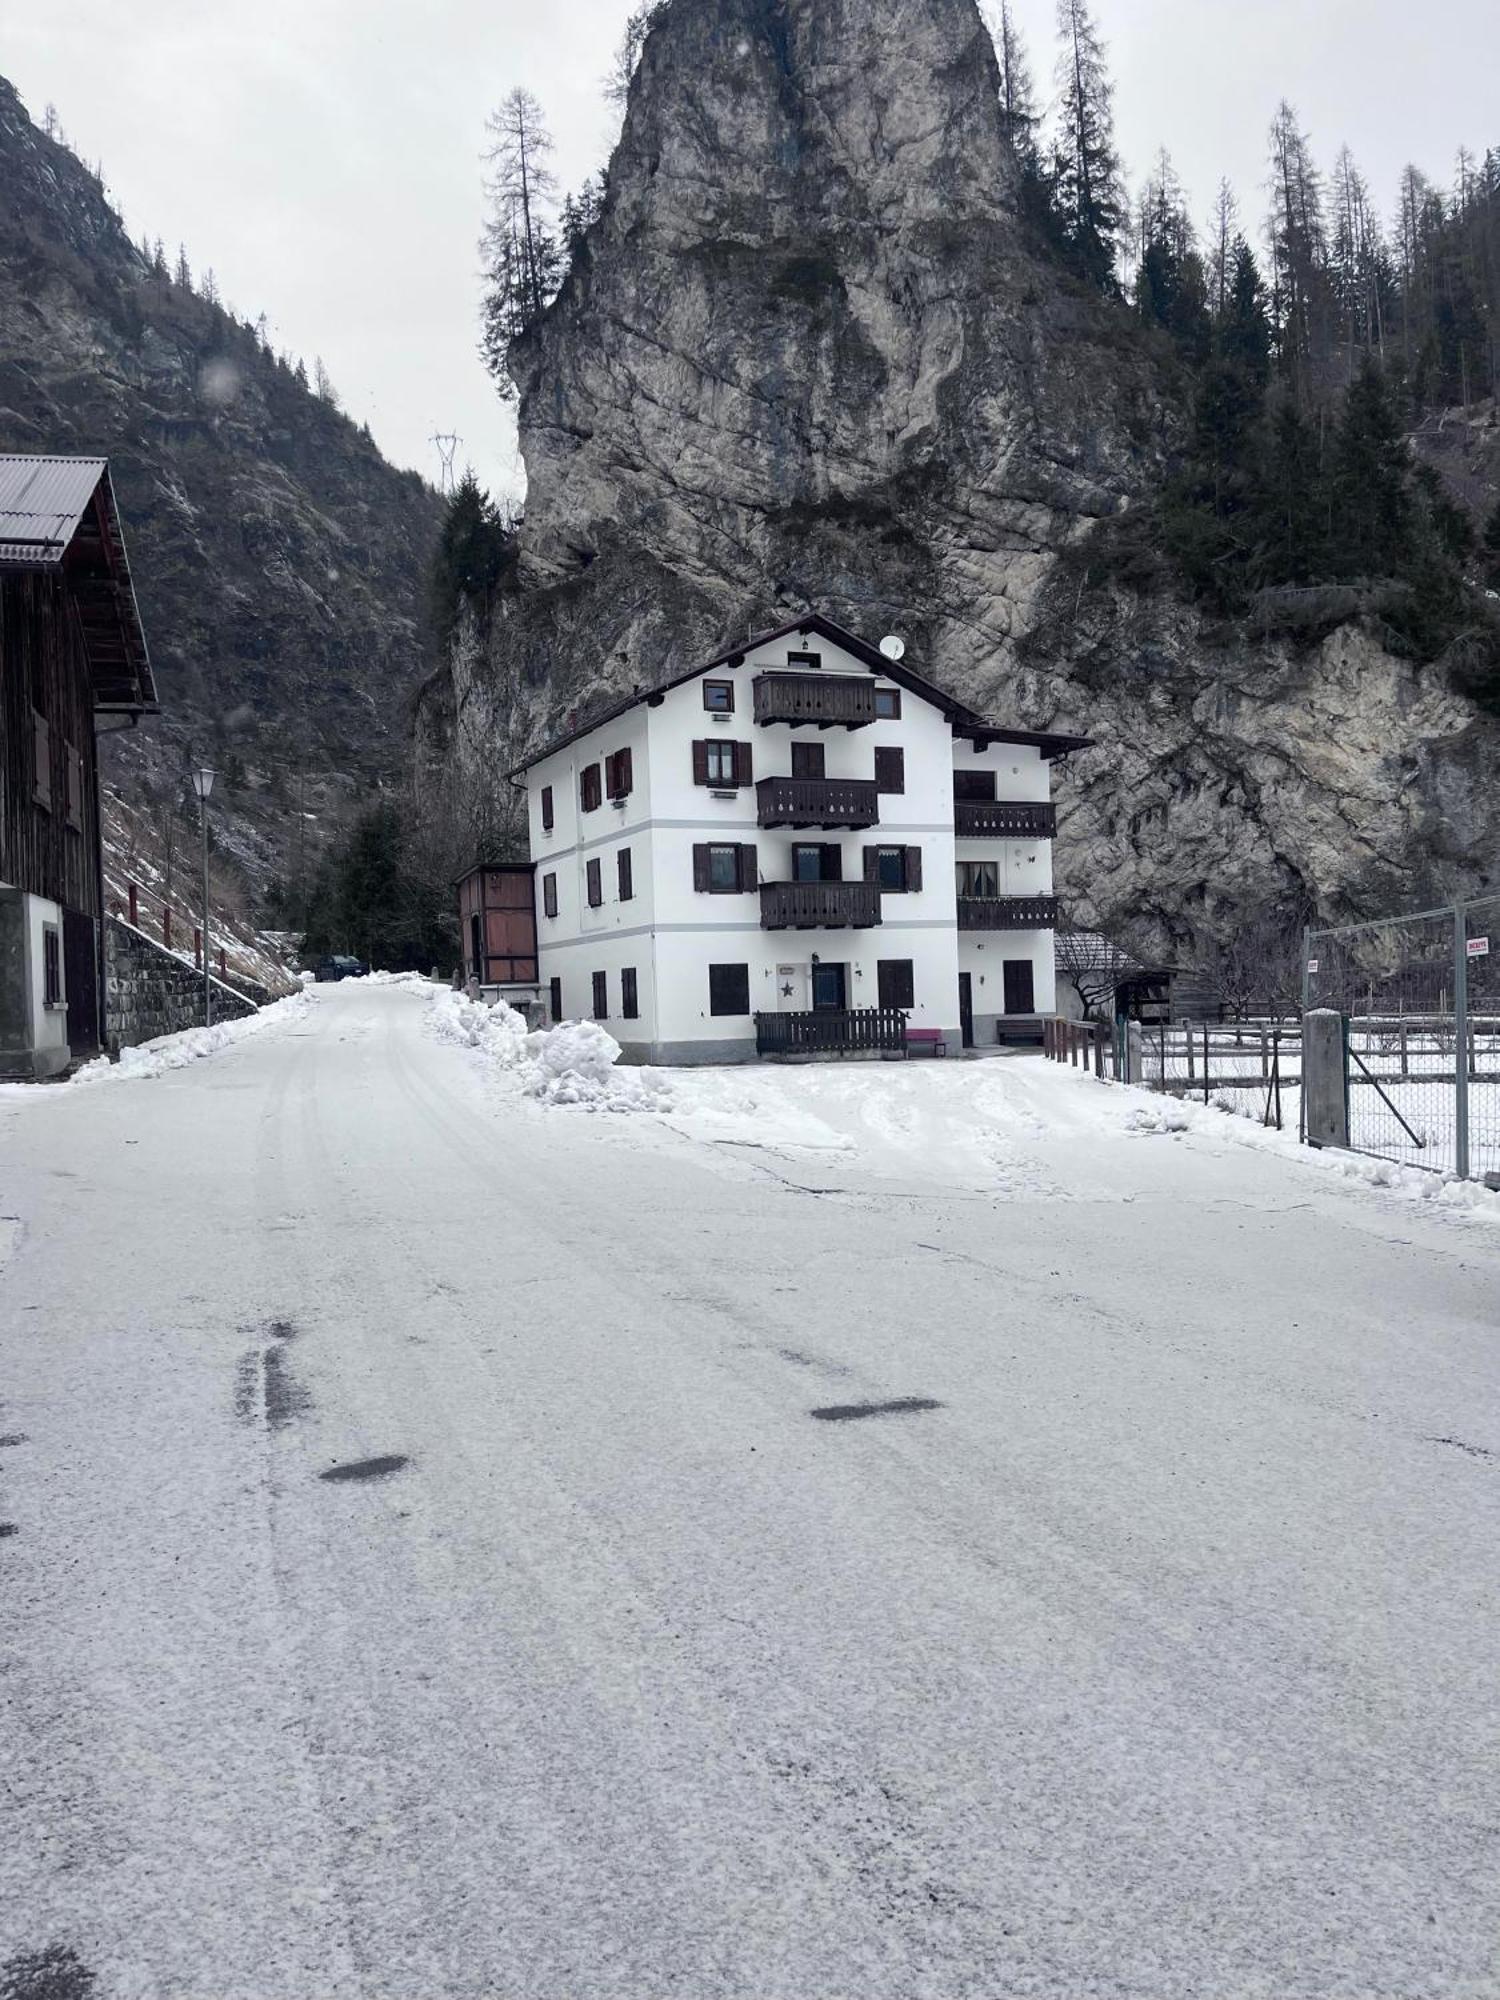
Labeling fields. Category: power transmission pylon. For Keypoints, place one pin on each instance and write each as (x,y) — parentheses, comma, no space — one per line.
(447,443)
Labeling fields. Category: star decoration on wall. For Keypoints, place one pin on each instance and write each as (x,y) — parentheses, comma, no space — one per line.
(786,991)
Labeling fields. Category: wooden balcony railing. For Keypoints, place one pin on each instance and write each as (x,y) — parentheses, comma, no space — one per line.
(830,700)
(824,802)
(1004,819)
(1007,913)
(810,906)
(858,1031)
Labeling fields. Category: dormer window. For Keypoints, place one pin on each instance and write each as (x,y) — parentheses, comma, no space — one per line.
(718,697)
(888,704)
(805,662)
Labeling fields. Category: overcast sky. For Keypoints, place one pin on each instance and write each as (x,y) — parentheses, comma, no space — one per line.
(323,155)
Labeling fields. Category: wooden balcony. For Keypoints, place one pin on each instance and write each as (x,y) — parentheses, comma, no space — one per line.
(1003,819)
(832,701)
(824,802)
(857,1031)
(814,906)
(1007,913)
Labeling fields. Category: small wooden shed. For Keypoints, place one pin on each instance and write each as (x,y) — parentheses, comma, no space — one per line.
(497,921)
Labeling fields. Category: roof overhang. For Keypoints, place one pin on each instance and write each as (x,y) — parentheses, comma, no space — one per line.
(58,516)
(1051,745)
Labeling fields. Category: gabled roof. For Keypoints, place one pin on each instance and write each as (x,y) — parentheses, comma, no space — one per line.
(59,515)
(965,721)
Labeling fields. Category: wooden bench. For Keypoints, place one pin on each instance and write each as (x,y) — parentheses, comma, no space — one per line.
(930,1039)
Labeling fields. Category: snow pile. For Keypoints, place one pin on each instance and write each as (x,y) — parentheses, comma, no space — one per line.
(575,1063)
(398,979)
(192,1045)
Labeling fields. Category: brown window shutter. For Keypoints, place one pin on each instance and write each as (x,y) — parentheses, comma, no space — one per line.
(872,864)
(749,868)
(744,762)
(700,763)
(701,877)
(913,868)
(547,808)
(627,772)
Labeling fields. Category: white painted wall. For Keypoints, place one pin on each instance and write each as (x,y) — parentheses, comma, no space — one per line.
(671,933)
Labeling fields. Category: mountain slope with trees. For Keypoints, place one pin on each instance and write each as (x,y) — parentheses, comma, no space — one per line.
(279,560)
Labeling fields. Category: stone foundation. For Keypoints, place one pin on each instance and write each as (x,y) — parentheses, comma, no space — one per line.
(149,991)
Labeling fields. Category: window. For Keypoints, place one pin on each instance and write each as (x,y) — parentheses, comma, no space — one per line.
(75,788)
(547,812)
(554,996)
(897,869)
(978,879)
(718,697)
(601,996)
(595,876)
(808,760)
(52,987)
(721,764)
(722,870)
(729,989)
(890,770)
(619,775)
(808,661)
(978,786)
(41,773)
(549,895)
(887,704)
(630,1005)
(817,862)
(626,871)
(894,982)
(588,788)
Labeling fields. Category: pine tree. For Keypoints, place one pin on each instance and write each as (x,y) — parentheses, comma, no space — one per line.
(1292,504)
(476,547)
(183,275)
(1223,235)
(523,260)
(1086,169)
(1370,504)
(1295,233)
(628,55)
(323,387)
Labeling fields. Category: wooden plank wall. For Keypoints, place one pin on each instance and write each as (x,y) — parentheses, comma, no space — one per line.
(43,670)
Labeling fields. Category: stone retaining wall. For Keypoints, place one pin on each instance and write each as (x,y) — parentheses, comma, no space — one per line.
(149,991)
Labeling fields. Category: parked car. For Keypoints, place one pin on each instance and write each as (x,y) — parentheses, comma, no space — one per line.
(339,967)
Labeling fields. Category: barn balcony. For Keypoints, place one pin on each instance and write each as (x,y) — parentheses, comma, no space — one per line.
(832,701)
(815,906)
(1003,819)
(821,802)
(1007,913)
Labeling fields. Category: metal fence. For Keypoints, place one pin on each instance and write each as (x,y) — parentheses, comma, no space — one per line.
(1250,1067)
(1421,997)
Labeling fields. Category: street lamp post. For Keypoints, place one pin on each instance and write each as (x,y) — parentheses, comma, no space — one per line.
(203,784)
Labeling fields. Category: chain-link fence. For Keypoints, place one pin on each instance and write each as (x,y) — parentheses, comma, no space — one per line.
(1421,995)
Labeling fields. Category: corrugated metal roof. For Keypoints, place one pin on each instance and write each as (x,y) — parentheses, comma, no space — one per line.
(42,501)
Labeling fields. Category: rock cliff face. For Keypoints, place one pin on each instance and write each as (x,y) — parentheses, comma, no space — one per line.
(808,357)
(279,560)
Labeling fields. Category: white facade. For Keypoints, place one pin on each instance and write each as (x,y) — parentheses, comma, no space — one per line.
(703,861)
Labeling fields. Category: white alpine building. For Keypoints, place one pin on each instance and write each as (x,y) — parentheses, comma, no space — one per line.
(787,850)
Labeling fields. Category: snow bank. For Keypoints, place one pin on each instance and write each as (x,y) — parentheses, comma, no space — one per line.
(172,1051)
(1151,1115)
(421,979)
(575,1063)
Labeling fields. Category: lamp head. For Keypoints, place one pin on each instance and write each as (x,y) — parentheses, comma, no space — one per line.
(203,782)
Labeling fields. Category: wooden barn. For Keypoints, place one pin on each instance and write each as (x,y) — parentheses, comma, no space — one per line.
(73,661)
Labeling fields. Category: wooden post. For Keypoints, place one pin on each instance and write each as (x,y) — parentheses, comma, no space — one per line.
(1265,1061)
(223,967)
(1405,1052)
(1207,1065)
(197,946)
(166,925)
(1188,1030)
(135,908)
(1099,1048)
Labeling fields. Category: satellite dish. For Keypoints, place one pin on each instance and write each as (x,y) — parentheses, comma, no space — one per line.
(893,648)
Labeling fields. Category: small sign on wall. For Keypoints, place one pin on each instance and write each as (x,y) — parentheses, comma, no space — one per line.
(1479,947)
(1312,965)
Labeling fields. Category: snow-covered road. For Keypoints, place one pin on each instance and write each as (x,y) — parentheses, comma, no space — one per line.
(1149,1651)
